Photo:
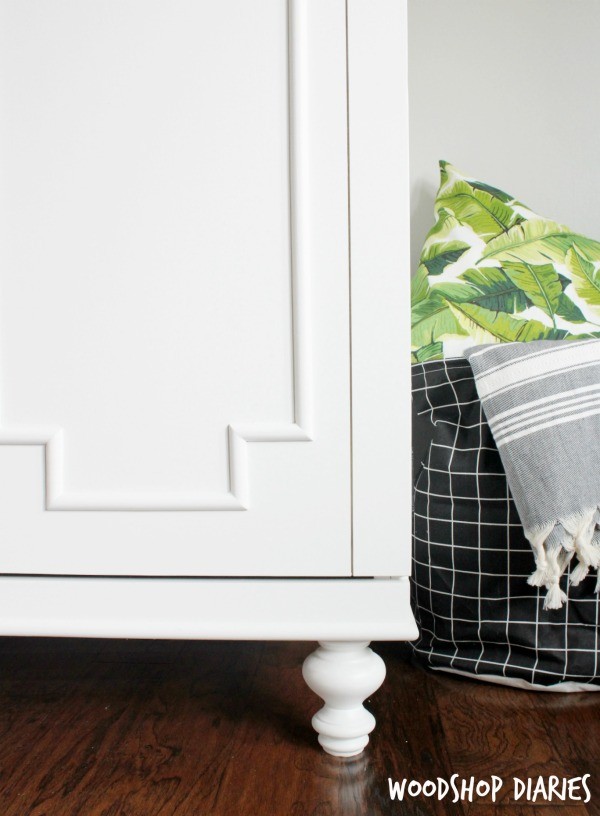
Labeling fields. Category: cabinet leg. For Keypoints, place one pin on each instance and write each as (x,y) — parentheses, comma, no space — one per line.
(343,674)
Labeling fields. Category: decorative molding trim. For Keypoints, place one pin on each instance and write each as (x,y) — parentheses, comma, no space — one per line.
(238,495)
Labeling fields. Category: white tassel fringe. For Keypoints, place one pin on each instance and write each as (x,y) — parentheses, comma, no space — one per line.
(581,539)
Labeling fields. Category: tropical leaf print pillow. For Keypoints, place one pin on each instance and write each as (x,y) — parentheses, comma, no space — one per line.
(493,271)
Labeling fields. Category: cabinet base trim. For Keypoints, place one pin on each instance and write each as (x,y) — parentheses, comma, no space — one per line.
(207,608)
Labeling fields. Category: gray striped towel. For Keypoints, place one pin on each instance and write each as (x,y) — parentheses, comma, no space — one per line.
(542,402)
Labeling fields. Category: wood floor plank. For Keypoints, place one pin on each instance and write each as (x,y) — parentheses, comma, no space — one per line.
(409,744)
(491,729)
(93,728)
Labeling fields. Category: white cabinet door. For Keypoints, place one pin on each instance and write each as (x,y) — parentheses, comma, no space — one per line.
(174,338)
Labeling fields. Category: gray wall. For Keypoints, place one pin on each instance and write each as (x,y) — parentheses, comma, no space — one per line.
(509,92)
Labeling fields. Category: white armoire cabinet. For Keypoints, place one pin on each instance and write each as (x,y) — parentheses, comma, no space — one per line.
(204,393)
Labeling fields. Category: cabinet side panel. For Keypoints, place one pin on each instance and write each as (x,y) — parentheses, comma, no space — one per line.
(380,285)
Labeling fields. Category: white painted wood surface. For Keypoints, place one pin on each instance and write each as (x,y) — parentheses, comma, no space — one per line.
(343,674)
(210,608)
(175,249)
(380,275)
(174,273)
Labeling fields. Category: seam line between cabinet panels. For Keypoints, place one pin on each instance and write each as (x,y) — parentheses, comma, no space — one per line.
(349,290)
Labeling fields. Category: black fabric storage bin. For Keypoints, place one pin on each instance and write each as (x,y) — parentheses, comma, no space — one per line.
(475,610)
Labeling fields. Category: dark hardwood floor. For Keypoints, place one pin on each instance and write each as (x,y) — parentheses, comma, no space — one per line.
(134,728)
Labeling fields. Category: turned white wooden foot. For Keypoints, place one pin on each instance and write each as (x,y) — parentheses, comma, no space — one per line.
(343,674)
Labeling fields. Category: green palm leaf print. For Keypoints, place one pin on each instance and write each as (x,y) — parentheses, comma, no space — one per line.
(485,214)
(586,279)
(491,270)
(540,284)
(487,326)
